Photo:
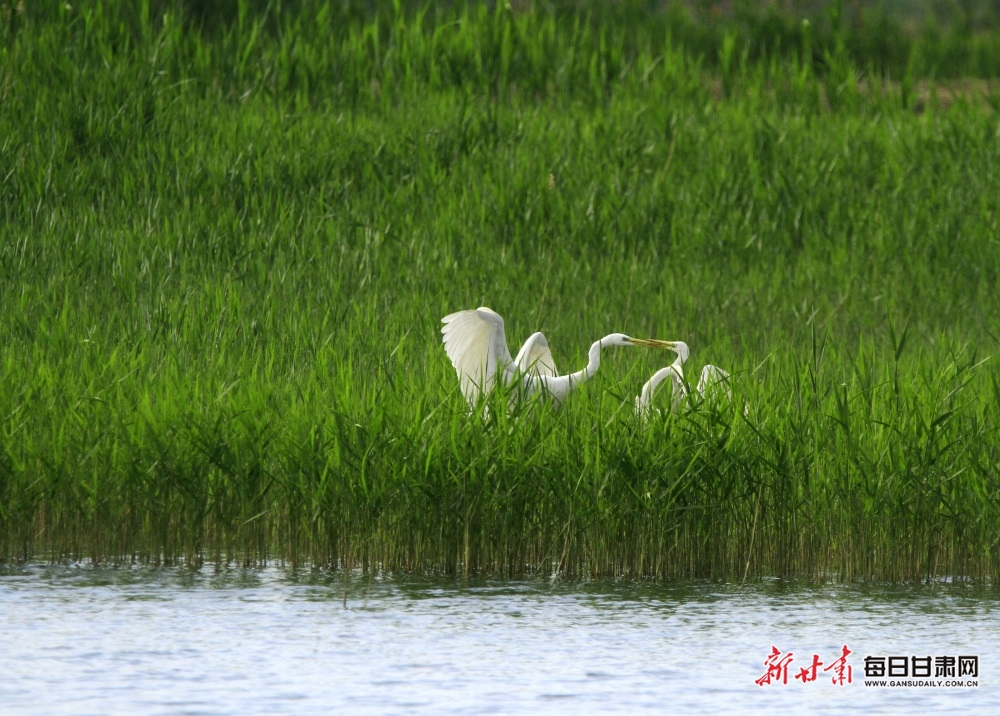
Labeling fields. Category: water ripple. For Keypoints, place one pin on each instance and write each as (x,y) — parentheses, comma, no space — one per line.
(85,640)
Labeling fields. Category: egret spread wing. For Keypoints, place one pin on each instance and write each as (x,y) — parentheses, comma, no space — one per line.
(535,358)
(475,342)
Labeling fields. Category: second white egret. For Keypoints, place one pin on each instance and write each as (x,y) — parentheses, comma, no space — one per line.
(713,381)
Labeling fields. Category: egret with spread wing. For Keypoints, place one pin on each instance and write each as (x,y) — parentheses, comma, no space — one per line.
(713,380)
(475,342)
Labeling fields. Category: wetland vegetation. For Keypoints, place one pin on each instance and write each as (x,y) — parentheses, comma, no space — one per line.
(228,232)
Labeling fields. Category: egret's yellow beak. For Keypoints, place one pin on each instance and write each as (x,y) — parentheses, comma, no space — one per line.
(653,343)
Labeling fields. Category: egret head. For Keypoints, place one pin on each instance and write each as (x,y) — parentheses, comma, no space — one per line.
(680,348)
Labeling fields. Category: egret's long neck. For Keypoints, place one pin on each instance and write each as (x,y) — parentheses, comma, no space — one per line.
(650,387)
(675,369)
(654,382)
(678,366)
(593,363)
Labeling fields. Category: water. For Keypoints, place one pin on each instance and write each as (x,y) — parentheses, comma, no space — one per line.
(83,640)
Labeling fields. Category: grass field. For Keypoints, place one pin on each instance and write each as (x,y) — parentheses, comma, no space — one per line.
(226,243)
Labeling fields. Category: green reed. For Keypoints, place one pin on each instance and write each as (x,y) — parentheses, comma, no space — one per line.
(226,244)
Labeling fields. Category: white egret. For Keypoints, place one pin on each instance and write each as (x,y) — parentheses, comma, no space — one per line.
(475,342)
(713,379)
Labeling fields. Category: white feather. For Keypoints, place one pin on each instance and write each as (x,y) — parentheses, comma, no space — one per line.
(714,380)
(475,342)
(535,358)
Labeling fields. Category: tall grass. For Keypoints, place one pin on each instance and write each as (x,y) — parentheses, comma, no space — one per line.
(226,243)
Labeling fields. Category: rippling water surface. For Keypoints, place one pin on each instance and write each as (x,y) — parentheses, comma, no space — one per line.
(94,640)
